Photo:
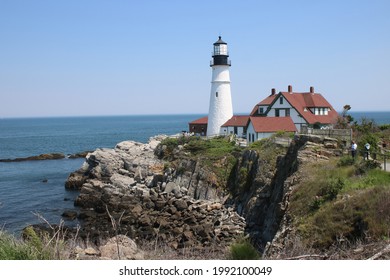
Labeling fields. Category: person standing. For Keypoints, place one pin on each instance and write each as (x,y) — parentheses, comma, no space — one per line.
(353,149)
(367,151)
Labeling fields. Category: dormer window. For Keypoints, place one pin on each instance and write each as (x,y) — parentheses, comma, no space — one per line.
(281,100)
(261,110)
(320,111)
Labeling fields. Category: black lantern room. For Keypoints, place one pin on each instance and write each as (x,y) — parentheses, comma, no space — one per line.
(220,53)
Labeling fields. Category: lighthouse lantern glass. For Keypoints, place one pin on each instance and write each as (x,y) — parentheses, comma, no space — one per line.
(220,49)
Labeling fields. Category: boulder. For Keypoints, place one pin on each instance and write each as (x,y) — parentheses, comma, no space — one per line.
(75,180)
(121,180)
(121,247)
(172,188)
(69,214)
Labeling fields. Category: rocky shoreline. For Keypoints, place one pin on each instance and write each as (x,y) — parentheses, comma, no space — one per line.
(128,190)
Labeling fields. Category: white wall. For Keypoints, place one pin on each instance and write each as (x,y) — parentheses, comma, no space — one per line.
(263,135)
(227,130)
(220,108)
(257,136)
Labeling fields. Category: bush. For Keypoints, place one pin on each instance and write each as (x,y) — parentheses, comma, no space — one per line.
(366,165)
(243,250)
(384,127)
(332,188)
(316,203)
(345,161)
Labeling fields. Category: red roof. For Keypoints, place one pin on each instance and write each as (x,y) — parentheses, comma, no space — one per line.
(237,121)
(303,102)
(268,100)
(203,120)
(272,124)
(265,102)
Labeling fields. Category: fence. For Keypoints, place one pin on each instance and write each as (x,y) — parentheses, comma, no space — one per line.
(380,157)
(344,134)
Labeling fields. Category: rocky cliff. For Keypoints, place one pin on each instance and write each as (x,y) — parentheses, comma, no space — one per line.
(261,182)
(130,190)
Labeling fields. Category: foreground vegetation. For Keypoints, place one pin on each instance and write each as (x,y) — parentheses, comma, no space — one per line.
(35,247)
(31,247)
(336,202)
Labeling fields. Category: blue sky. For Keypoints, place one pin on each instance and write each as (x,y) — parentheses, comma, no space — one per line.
(84,57)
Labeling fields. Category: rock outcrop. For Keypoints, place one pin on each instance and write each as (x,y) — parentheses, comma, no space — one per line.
(50,156)
(128,190)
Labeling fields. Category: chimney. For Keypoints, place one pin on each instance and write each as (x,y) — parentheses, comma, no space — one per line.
(311,89)
(290,88)
(273,91)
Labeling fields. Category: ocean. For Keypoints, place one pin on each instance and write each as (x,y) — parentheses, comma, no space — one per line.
(25,197)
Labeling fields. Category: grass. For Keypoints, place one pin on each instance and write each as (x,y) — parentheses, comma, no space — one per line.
(268,149)
(37,243)
(30,249)
(340,202)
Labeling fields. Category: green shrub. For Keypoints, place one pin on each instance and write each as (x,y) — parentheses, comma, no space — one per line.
(384,127)
(332,188)
(316,203)
(346,161)
(366,165)
(243,250)
(171,143)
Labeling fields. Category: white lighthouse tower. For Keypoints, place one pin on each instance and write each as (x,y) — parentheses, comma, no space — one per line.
(221,109)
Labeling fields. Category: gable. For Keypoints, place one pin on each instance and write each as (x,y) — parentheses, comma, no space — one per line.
(305,104)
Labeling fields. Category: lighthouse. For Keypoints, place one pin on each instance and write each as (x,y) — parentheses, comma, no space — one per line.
(220,108)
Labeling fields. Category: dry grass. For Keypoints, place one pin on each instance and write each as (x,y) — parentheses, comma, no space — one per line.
(165,252)
(351,209)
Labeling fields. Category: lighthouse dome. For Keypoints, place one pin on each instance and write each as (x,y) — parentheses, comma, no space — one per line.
(220,41)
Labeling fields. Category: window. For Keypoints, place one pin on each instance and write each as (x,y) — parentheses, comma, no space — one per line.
(261,110)
(277,113)
(287,112)
(235,130)
(281,100)
(216,94)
